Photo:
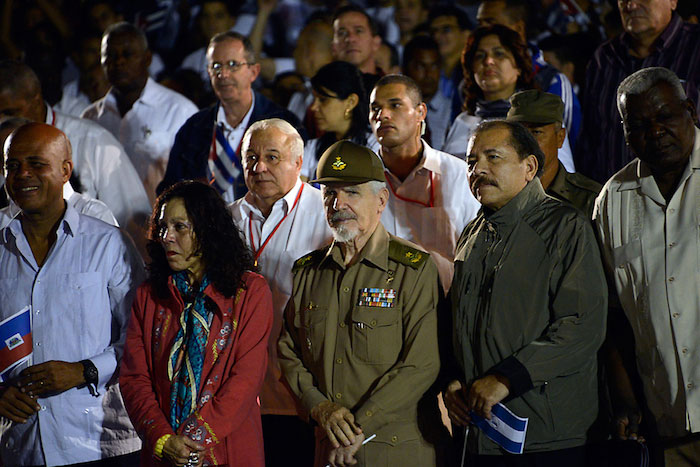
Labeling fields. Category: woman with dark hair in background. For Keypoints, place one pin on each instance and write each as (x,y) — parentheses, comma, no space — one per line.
(496,64)
(341,111)
(196,347)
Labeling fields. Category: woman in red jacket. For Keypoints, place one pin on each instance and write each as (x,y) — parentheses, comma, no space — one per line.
(196,347)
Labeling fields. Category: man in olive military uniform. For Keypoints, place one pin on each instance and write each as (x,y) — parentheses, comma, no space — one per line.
(359,347)
(542,114)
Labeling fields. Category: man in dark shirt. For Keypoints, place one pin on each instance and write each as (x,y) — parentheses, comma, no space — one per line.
(653,36)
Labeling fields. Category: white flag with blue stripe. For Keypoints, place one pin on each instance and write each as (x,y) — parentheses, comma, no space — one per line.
(505,428)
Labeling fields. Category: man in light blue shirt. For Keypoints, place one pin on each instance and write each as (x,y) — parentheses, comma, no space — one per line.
(76,275)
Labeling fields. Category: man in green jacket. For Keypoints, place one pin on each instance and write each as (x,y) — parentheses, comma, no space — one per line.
(529,303)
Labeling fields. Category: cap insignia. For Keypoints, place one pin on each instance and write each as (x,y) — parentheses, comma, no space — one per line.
(338,164)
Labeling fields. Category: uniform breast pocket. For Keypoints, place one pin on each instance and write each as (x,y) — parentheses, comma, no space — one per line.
(313,320)
(376,334)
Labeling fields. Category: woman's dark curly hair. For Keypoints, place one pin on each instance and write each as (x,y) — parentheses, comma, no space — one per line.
(510,40)
(224,253)
(343,79)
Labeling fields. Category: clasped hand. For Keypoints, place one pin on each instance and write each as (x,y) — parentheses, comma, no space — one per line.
(483,394)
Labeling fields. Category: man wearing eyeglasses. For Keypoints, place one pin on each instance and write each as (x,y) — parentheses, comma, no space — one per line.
(207,147)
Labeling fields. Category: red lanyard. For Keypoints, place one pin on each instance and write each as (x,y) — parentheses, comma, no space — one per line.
(258,252)
(53,117)
(429,204)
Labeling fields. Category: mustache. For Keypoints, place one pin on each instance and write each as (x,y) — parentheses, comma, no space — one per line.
(483,180)
(342,216)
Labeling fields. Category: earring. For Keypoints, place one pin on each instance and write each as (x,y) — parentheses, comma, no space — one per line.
(422,127)
(347,114)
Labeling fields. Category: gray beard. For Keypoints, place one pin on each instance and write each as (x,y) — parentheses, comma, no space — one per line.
(343,235)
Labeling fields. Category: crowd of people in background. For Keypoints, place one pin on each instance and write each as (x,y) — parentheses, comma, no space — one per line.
(304,232)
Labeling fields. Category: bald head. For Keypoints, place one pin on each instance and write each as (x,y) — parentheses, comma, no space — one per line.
(20,92)
(37,164)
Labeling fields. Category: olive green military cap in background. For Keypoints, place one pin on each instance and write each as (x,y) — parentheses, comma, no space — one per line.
(347,162)
(535,106)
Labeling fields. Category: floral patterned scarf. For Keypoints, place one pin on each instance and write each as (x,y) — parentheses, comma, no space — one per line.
(188,352)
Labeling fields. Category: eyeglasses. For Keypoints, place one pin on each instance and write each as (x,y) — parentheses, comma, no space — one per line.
(231,65)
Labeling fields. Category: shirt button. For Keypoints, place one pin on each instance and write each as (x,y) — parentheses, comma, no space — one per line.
(38,311)
(373,322)
(684,350)
(672,244)
(338,361)
(394,439)
(689,385)
(676,315)
(671,210)
(368,413)
(671,279)
(87,410)
(342,325)
(38,344)
(346,289)
(43,407)
(338,395)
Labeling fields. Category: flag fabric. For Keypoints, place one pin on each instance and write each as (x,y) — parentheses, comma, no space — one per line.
(15,341)
(505,428)
(225,165)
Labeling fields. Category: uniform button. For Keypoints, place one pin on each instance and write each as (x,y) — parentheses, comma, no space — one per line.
(689,385)
(671,279)
(676,315)
(394,439)
(368,413)
(346,289)
(43,407)
(338,361)
(38,281)
(671,210)
(342,325)
(87,410)
(684,350)
(338,395)
(373,322)
(38,311)
(38,344)
(672,244)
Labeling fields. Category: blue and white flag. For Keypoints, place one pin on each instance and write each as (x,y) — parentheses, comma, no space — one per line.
(15,342)
(505,428)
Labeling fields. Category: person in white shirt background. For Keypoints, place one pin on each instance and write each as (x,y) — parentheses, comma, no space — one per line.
(100,163)
(430,201)
(281,219)
(142,114)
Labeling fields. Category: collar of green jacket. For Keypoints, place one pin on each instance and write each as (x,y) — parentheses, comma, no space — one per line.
(530,196)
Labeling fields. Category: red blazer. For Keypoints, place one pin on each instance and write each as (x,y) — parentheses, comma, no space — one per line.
(227,419)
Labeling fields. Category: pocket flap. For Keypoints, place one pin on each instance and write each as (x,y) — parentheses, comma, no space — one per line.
(375,317)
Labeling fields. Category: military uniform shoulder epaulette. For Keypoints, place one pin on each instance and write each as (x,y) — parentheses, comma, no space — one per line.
(583,182)
(406,254)
(309,259)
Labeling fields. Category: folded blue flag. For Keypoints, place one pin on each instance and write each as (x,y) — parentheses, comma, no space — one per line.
(505,428)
